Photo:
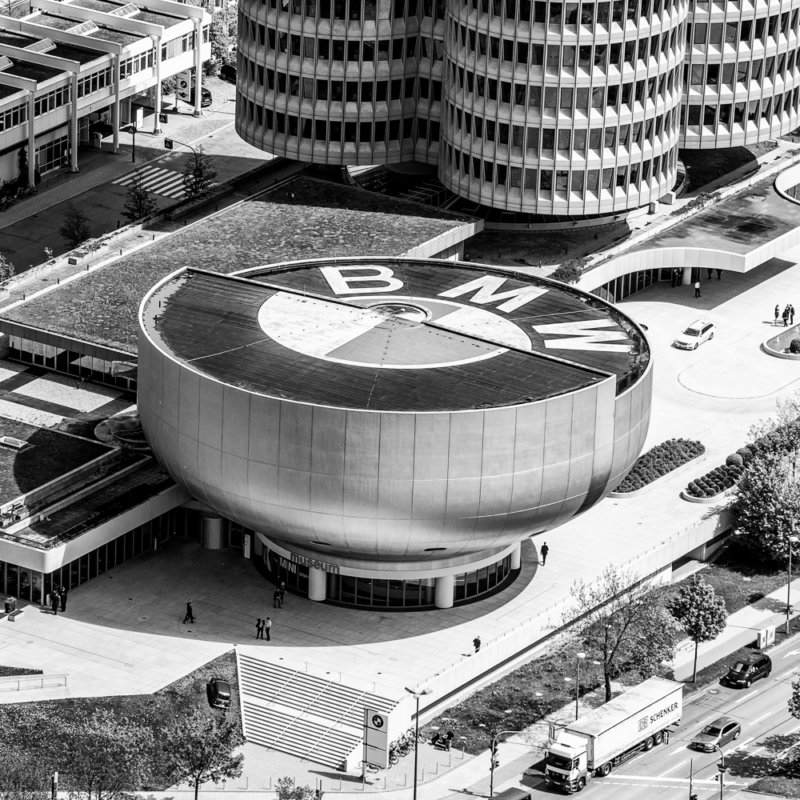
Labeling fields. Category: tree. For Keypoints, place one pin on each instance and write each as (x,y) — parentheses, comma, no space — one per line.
(768,504)
(625,629)
(201,748)
(794,700)
(198,175)
(103,754)
(700,612)
(7,269)
(570,271)
(22,776)
(140,202)
(75,226)
(285,789)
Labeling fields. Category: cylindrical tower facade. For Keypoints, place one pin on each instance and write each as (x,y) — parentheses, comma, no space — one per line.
(561,108)
(335,82)
(742,77)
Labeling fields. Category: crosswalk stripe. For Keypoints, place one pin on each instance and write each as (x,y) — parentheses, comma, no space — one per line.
(158,180)
(144,172)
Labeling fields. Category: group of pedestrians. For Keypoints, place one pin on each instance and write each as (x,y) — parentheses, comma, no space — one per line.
(58,599)
(264,626)
(787,315)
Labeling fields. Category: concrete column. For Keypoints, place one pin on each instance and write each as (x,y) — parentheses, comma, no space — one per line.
(516,557)
(445,588)
(73,126)
(157,46)
(31,138)
(198,66)
(316,584)
(115,120)
(211,535)
(686,280)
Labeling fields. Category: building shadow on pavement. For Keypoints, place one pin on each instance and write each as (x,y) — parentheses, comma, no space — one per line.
(149,595)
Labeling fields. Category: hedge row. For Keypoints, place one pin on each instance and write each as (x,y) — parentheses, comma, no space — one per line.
(782,439)
(658,461)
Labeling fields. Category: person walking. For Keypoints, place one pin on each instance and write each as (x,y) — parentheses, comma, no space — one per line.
(709,273)
(544,551)
(259,628)
(54,601)
(777,313)
(786,316)
(697,288)
(276,598)
(282,590)
(268,628)
(476,643)
(791,314)
(62,595)
(719,274)
(189,616)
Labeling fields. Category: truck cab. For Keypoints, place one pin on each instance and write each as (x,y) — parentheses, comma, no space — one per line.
(566,763)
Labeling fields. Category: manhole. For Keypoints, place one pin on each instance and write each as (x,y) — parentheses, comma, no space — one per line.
(713,691)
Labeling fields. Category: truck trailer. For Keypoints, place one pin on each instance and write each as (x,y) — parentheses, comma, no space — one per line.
(600,740)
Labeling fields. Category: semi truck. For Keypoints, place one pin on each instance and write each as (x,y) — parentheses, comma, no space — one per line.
(598,741)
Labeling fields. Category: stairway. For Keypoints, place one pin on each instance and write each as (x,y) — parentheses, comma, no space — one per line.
(294,712)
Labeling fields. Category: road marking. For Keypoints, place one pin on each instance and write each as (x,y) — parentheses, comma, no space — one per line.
(709,781)
(791,653)
(747,741)
(676,753)
(758,719)
(673,768)
(745,697)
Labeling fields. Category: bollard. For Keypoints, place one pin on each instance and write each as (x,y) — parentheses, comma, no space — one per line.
(154,237)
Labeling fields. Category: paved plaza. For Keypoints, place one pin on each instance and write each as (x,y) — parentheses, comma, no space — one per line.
(123,632)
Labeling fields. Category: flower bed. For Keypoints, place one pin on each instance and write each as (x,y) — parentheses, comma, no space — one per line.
(658,461)
(727,475)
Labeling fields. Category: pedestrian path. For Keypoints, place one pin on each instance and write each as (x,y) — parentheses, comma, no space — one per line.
(166,182)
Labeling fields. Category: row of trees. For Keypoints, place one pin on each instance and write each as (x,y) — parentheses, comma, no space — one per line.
(104,756)
(635,630)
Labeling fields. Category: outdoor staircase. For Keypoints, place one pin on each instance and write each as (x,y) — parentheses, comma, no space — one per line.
(305,715)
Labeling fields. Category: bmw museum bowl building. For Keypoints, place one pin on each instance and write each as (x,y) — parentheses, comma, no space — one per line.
(390,430)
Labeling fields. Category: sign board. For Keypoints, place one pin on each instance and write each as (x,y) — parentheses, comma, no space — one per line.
(184,84)
(376,738)
(162,118)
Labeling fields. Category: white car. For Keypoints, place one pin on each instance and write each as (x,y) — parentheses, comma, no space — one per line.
(698,332)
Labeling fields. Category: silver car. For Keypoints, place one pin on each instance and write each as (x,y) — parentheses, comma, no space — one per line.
(719,732)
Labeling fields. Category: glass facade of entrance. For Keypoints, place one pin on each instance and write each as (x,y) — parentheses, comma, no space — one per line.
(349,590)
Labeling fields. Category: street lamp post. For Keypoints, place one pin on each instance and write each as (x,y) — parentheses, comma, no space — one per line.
(416,693)
(493,754)
(792,540)
(578,658)
(722,770)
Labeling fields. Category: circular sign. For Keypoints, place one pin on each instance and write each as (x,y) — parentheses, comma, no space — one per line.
(377,720)
(389,332)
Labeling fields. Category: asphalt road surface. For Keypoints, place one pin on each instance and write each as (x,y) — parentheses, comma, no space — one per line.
(769,733)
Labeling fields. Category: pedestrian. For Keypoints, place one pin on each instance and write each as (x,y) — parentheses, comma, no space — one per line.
(672,281)
(697,288)
(268,627)
(791,314)
(62,594)
(719,274)
(786,316)
(544,551)
(259,628)
(777,313)
(709,273)
(54,602)
(476,643)
(189,613)
(276,598)
(282,590)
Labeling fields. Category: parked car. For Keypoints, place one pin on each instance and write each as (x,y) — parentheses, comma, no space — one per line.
(228,73)
(719,732)
(747,670)
(206,98)
(692,337)
(219,693)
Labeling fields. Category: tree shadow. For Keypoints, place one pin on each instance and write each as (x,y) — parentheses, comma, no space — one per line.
(767,764)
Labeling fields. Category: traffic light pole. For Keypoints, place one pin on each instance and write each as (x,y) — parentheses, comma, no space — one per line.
(493,755)
(722,770)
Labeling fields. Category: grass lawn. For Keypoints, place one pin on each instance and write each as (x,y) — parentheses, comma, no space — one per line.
(706,166)
(180,698)
(10,672)
(781,786)
(741,580)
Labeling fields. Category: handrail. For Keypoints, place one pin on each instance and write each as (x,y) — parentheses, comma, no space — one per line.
(5,682)
(338,720)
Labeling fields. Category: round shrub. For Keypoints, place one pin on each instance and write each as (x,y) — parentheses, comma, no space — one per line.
(658,461)
(746,454)
(734,460)
(794,346)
